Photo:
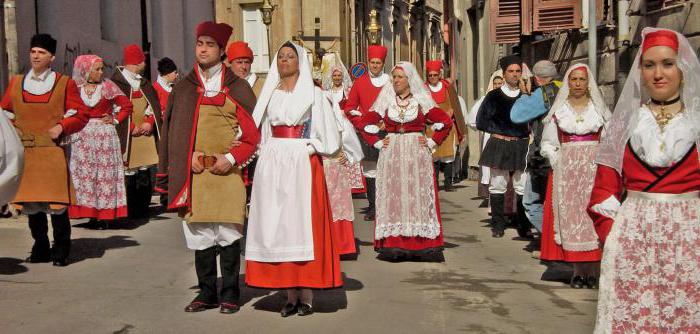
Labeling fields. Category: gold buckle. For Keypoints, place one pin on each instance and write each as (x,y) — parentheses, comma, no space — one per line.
(28,140)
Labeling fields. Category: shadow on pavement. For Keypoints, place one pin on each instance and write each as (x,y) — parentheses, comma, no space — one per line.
(557,272)
(95,248)
(325,301)
(11,266)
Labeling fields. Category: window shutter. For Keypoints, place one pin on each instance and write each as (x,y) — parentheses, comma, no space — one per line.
(505,21)
(552,15)
(653,5)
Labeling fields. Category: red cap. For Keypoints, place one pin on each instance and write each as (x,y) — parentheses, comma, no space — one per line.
(239,49)
(433,65)
(133,55)
(580,68)
(220,32)
(376,51)
(660,38)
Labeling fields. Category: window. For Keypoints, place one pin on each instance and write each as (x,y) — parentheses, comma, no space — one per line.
(552,15)
(653,5)
(504,21)
(255,34)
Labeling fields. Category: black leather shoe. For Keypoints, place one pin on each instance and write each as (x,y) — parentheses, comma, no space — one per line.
(369,217)
(592,282)
(199,306)
(289,309)
(229,308)
(305,309)
(60,262)
(39,258)
(577,282)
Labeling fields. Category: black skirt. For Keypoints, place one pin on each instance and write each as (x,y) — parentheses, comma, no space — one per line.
(505,154)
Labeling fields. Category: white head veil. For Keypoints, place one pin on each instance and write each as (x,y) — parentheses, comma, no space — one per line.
(328,76)
(497,73)
(420,93)
(303,94)
(612,145)
(324,135)
(596,97)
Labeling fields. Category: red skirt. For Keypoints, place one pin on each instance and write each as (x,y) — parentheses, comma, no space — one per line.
(549,250)
(321,273)
(414,244)
(77,212)
(343,237)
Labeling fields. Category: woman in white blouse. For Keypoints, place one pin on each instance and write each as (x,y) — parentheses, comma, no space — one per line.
(570,142)
(289,241)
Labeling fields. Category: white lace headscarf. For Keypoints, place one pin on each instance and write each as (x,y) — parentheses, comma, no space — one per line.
(595,95)
(387,96)
(496,74)
(328,77)
(626,115)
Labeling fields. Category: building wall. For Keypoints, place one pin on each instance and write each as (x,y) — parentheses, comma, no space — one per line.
(290,18)
(105,27)
(614,57)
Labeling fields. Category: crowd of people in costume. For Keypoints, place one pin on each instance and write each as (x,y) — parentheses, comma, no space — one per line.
(616,194)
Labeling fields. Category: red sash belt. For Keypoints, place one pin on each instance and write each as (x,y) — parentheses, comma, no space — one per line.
(284,131)
(568,138)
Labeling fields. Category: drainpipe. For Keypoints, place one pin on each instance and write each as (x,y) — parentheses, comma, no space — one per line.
(623,23)
(592,36)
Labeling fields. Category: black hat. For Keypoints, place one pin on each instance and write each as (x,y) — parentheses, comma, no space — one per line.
(44,41)
(509,60)
(166,66)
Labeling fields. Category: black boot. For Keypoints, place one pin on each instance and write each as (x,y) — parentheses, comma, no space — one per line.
(138,194)
(61,239)
(230,260)
(371,198)
(523,225)
(498,218)
(41,251)
(205,265)
(448,177)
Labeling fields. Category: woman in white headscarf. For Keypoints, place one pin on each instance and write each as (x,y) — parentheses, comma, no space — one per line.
(408,219)
(495,82)
(289,241)
(338,167)
(570,139)
(11,160)
(650,272)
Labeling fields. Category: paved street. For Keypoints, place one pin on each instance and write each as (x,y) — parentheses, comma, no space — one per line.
(137,279)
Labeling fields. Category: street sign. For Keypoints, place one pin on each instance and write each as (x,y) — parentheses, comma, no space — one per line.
(358,70)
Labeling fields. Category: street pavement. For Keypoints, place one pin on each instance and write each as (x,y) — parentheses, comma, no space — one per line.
(138,277)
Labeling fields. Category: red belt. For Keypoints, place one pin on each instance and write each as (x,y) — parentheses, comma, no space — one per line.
(568,138)
(284,131)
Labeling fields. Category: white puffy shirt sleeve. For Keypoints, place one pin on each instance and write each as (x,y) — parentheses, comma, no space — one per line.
(550,142)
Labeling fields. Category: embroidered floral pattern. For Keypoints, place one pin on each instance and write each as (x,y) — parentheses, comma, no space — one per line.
(650,278)
(574,172)
(339,191)
(96,167)
(406,190)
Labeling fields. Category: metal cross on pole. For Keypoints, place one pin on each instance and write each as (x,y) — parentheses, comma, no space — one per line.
(318,51)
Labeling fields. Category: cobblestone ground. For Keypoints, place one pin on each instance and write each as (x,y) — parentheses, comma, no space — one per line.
(137,277)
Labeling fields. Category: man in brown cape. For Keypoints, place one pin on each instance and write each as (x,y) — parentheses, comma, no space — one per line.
(139,137)
(199,167)
(445,95)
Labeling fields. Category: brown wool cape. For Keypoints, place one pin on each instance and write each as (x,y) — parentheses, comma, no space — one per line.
(177,133)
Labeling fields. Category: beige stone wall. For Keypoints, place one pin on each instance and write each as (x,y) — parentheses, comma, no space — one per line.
(288,19)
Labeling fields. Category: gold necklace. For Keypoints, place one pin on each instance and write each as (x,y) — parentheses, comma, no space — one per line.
(662,116)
